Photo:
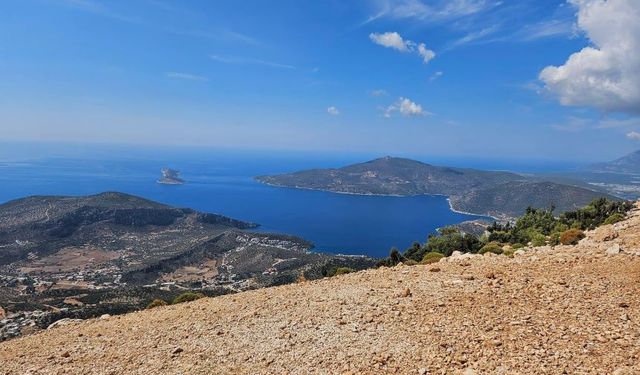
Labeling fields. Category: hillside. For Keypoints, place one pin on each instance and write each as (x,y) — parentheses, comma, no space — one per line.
(628,164)
(568,309)
(498,194)
(80,257)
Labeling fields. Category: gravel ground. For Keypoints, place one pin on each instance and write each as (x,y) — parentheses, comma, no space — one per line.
(571,310)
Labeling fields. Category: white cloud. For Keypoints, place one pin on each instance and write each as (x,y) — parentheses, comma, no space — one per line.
(474,37)
(435,11)
(405,107)
(186,76)
(605,75)
(634,135)
(333,111)
(425,53)
(390,40)
(546,29)
(395,41)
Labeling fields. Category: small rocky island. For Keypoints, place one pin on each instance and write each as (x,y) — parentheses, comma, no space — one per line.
(170,177)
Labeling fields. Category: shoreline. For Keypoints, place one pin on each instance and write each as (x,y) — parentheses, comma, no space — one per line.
(382,195)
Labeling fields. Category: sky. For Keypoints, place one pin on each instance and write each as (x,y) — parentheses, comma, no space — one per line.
(542,79)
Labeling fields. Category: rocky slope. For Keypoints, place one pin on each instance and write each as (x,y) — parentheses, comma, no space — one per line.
(498,194)
(569,309)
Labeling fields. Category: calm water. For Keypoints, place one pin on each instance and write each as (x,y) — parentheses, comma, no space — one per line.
(223,184)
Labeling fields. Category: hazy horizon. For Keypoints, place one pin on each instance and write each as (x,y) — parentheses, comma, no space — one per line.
(549,79)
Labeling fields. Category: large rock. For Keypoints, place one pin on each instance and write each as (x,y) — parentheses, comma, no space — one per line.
(63,322)
(459,256)
(604,233)
(613,250)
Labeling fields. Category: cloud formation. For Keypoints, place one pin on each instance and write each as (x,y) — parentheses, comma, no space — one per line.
(333,111)
(395,41)
(634,135)
(390,40)
(435,11)
(405,107)
(605,75)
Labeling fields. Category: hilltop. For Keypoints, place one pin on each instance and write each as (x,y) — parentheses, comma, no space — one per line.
(628,164)
(493,193)
(79,257)
(563,309)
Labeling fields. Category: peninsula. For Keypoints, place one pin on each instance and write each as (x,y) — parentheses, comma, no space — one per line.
(502,195)
(80,257)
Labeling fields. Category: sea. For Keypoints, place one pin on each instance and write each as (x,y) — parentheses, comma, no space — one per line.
(222,181)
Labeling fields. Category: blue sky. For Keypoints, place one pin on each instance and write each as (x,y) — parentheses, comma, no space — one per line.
(458,78)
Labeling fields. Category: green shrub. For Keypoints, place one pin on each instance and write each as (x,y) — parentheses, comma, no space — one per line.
(410,262)
(157,303)
(554,238)
(491,247)
(571,236)
(538,239)
(187,297)
(595,214)
(509,253)
(517,246)
(617,217)
(432,257)
(343,270)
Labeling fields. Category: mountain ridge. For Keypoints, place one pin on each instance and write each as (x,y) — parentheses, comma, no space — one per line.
(628,164)
(469,190)
(110,253)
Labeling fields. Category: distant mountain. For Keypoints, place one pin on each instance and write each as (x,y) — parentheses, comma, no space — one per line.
(628,164)
(113,252)
(498,194)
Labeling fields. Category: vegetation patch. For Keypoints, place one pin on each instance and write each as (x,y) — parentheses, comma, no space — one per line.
(432,257)
(537,227)
(491,247)
(334,271)
(615,218)
(187,297)
(157,303)
(571,237)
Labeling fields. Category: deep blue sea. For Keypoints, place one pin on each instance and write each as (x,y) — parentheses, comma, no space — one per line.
(222,182)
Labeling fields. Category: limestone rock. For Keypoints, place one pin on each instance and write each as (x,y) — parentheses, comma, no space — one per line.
(63,322)
(613,250)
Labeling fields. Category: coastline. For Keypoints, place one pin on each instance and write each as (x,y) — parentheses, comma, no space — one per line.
(383,195)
